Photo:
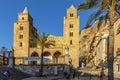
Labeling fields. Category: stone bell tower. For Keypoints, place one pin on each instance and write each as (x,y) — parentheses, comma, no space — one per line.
(71,34)
(22,31)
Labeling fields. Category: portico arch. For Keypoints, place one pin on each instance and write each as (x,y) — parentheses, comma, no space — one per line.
(47,55)
(56,56)
(34,54)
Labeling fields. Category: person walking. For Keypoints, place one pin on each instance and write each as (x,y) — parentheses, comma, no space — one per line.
(73,74)
(101,74)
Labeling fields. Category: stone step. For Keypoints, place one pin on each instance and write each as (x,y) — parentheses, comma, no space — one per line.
(15,74)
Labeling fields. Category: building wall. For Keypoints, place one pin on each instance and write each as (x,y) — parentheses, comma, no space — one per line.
(101,53)
(117,46)
(117,36)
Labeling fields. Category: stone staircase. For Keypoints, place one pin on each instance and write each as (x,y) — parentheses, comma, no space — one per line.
(15,74)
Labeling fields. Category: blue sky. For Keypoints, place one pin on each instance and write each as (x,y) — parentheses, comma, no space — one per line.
(47,14)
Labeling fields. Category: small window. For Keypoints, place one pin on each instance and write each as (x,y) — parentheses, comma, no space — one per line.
(71,33)
(70,42)
(21,36)
(21,27)
(20,44)
(71,25)
(22,18)
(71,15)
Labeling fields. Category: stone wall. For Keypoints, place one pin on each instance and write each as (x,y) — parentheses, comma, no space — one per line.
(52,69)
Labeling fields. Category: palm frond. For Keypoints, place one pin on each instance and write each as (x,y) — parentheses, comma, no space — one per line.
(118,8)
(110,2)
(49,43)
(87,26)
(116,18)
(88,5)
(104,3)
(118,12)
(113,4)
(43,41)
(94,1)
(100,22)
(106,18)
(93,17)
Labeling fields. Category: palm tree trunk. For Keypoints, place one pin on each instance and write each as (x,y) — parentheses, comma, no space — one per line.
(111,17)
(111,54)
(110,57)
(41,72)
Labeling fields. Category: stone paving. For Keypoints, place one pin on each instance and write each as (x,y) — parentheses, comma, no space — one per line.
(17,75)
(63,78)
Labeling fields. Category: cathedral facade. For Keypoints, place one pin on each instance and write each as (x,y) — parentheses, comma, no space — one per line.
(66,47)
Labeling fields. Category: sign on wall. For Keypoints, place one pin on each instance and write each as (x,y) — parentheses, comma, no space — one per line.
(45,58)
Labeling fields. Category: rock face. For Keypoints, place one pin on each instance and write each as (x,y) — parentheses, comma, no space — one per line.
(94,44)
(89,38)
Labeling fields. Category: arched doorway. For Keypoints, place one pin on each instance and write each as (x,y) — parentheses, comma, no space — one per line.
(34,54)
(56,56)
(47,58)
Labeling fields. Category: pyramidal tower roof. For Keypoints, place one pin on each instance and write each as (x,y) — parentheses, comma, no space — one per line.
(25,10)
(72,6)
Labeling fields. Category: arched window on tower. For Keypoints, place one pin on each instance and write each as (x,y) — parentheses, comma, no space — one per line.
(71,14)
(21,36)
(70,42)
(71,25)
(21,27)
(21,44)
(71,34)
(22,18)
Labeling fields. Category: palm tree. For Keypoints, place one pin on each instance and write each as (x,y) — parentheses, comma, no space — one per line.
(107,10)
(42,41)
